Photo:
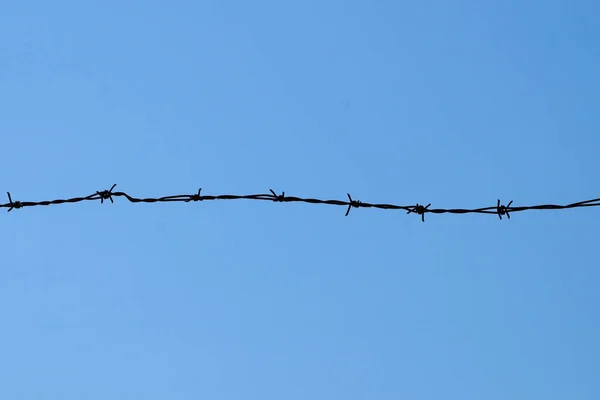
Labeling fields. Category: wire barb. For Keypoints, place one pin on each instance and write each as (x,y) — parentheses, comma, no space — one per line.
(419,209)
(278,198)
(352,203)
(195,197)
(106,194)
(503,210)
(16,204)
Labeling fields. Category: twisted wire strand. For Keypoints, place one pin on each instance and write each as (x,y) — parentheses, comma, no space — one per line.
(498,209)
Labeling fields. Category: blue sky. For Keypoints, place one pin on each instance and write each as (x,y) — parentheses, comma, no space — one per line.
(451,103)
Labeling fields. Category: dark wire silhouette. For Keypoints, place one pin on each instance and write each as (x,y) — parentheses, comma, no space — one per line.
(418,209)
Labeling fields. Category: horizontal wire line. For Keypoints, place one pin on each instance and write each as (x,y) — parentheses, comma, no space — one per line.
(498,209)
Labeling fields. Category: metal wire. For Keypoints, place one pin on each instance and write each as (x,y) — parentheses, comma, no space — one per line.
(498,209)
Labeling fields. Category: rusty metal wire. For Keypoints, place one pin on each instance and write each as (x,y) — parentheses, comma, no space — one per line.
(498,209)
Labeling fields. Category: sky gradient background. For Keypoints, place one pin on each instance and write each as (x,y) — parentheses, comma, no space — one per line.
(451,103)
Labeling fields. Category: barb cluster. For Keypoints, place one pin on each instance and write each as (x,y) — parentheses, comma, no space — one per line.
(499,209)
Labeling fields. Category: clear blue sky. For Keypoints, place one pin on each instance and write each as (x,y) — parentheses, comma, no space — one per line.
(454,103)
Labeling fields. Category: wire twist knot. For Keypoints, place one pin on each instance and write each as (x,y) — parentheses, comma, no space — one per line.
(278,198)
(106,194)
(503,210)
(353,203)
(195,197)
(419,209)
(13,204)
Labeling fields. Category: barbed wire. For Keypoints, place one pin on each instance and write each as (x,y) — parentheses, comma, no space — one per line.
(418,209)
